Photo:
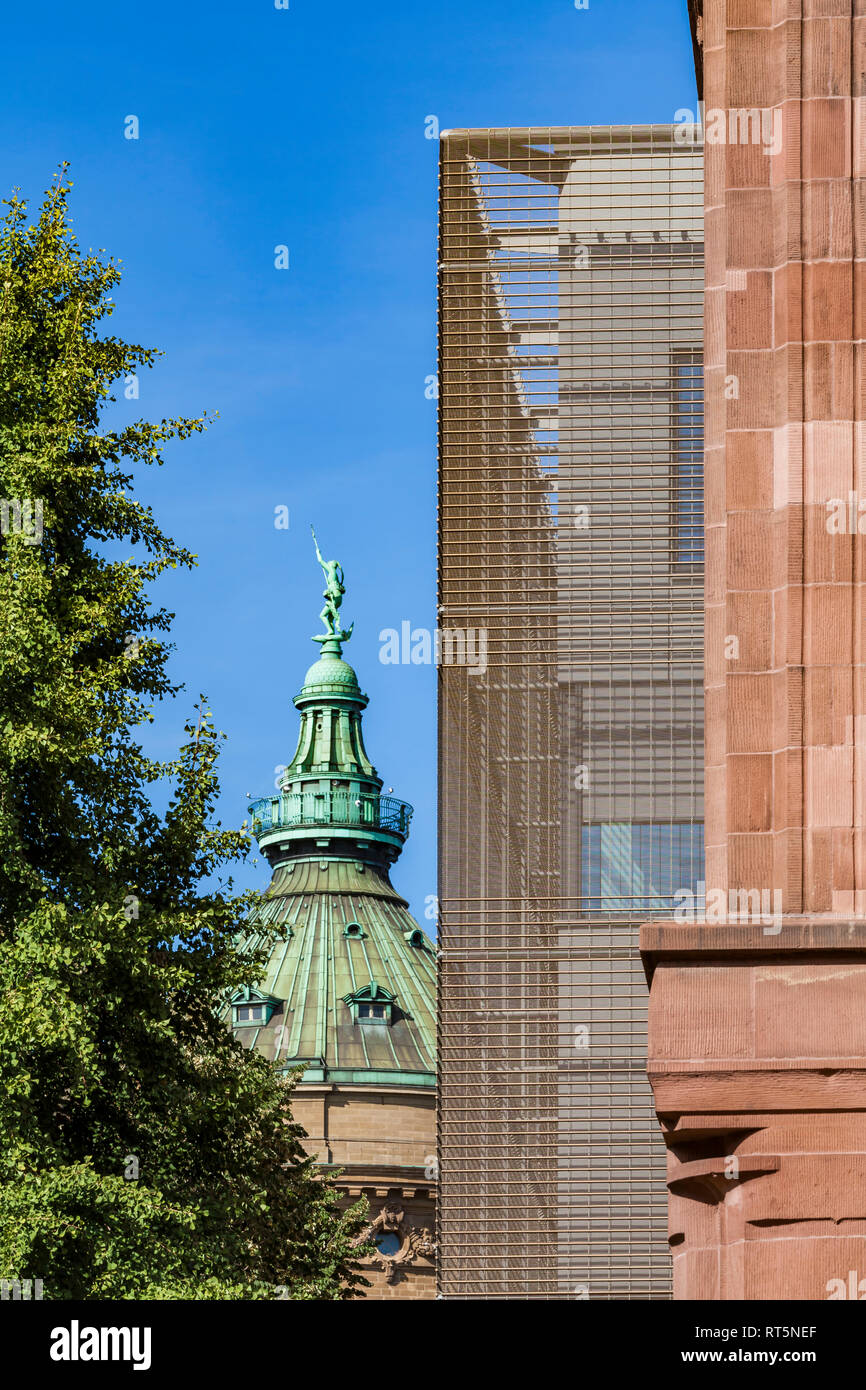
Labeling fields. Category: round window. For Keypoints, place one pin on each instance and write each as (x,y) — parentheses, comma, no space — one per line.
(388,1242)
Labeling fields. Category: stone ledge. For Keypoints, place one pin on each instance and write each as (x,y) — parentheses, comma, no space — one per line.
(685,941)
(716,1089)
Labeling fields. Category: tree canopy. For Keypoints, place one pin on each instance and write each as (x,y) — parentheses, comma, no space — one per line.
(145,1153)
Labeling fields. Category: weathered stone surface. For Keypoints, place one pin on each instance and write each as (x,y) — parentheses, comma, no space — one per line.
(758,1068)
(757,1051)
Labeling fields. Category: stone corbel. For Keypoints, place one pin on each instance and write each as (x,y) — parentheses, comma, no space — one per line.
(714,1176)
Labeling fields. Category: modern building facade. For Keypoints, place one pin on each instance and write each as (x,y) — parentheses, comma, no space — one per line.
(571,770)
(757,1024)
(349,993)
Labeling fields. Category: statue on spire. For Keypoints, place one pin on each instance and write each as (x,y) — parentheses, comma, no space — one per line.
(334,590)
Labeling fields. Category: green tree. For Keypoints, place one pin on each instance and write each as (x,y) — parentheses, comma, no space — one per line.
(114,944)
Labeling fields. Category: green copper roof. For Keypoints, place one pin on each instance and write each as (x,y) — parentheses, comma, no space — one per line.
(330,675)
(321,964)
(330,837)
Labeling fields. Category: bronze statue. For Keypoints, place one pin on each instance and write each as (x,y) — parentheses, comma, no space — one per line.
(334,590)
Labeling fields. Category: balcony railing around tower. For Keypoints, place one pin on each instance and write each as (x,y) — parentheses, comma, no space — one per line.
(340,808)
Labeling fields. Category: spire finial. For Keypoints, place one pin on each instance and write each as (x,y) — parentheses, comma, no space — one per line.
(333,636)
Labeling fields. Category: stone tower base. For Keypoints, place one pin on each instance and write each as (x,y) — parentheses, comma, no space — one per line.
(384,1141)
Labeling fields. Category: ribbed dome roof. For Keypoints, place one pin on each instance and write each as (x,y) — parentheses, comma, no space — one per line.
(312,973)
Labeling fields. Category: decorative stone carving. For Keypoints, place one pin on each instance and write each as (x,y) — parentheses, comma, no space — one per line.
(415,1241)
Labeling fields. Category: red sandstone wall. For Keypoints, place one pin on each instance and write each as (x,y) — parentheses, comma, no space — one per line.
(785,327)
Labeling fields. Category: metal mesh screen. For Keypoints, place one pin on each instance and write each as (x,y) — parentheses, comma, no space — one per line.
(570,398)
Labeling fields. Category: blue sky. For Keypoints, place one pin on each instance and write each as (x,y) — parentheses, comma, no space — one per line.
(303,127)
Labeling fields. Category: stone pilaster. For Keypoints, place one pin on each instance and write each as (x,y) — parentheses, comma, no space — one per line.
(756,1035)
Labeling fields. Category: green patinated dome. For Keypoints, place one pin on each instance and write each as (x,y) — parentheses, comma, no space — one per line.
(331,673)
(350,930)
(351,990)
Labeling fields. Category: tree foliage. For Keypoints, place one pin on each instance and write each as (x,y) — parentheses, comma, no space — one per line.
(114,945)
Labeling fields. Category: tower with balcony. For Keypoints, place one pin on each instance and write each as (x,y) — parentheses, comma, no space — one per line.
(349,992)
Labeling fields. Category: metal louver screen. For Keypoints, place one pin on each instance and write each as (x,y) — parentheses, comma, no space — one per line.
(571,773)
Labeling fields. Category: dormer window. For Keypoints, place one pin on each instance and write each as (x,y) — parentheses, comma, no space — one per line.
(371,1005)
(251,1008)
(371,1011)
(354,929)
(415,938)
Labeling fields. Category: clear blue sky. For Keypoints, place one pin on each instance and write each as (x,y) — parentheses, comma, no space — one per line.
(302,127)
